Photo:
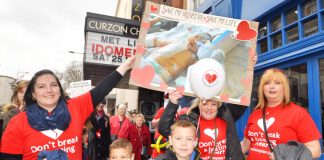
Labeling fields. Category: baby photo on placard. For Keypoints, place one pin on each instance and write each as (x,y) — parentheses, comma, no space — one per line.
(198,54)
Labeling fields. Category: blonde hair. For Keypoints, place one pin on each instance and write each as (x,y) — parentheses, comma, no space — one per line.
(140,116)
(20,85)
(196,102)
(121,143)
(183,124)
(7,107)
(270,75)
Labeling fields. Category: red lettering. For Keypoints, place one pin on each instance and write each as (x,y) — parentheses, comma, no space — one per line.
(109,50)
(116,50)
(99,48)
(127,52)
(119,52)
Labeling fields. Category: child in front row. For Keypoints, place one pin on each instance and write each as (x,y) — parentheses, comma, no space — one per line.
(183,140)
(121,149)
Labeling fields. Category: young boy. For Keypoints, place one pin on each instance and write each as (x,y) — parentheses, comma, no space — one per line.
(121,149)
(183,140)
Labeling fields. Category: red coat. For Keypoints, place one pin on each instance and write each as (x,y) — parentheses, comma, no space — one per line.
(138,137)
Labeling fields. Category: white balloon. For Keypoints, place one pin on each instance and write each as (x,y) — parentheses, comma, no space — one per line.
(207,78)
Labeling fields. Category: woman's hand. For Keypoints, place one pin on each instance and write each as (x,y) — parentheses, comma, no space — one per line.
(174,96)
(128,64)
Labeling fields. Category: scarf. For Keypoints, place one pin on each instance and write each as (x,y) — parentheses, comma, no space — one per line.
(39,119)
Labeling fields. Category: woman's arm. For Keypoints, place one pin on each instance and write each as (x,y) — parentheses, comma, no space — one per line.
(314,147)
(109,82)
(245,145)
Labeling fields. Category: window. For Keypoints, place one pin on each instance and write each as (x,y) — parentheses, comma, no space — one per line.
(301,19)
(310,27)
(292,16)
(263,45)
(298,84)
(276,24)
(321,72)
(292,34)
(276,41)
(309,7)
(262,30)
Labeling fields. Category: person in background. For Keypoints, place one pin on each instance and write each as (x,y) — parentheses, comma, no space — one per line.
(121,149)
(139,136)
(101,131)
(132,115)
(119,124)
(183,140)
(17,103)
(18,96)
(215,124)
(87,144)
(285,121)
(155,122)
(50,123)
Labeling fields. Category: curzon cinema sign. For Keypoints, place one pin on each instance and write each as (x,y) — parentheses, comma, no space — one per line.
(109,40)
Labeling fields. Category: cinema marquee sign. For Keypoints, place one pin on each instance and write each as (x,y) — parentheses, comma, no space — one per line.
(109,40)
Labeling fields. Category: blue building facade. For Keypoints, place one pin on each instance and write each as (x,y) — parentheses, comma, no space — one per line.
(291,37)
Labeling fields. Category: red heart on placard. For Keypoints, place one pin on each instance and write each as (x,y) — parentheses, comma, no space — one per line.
(143,76)
(244,100)
(140,49)
(153,9)
(210,78)
(246,81)
(146,25)
(245,33)
(180,89)
(163,86)
(224,97)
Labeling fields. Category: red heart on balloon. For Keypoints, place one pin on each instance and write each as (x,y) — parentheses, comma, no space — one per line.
(210,78)
(153,9)
(245,33)
(143,76)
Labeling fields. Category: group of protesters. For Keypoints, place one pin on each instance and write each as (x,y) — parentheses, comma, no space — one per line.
(48,125)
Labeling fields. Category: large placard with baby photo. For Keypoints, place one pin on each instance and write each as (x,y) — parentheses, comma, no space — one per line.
(198,54)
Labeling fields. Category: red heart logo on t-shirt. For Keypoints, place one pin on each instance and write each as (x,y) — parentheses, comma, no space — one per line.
(210,78)
(245,33)
(143,76)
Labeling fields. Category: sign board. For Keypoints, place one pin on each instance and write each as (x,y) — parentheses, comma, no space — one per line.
(78,88)
(172,41)
(109,40)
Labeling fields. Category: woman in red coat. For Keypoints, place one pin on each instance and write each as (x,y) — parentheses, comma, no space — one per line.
(140,137)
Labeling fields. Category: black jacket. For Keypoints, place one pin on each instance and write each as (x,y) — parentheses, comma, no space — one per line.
(101,144)
(292,150)
(170,155)
(228,112)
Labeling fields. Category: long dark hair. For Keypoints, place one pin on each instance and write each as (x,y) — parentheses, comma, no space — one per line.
(30,89)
